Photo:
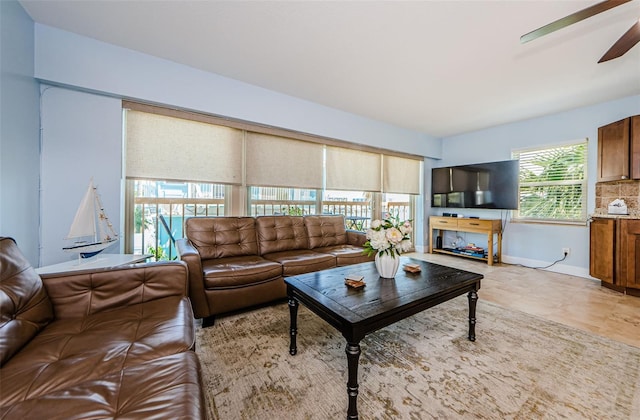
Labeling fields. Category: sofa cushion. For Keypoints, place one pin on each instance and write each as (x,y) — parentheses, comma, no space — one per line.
(229,299)
(281,233)
(238,271)
(302,261)
(25,307)
(71,351)
(325,231)
(219,237)
(165,388)
(346,254)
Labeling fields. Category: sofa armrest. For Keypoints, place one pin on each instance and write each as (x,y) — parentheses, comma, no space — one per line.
(190,255)
(356,237)
(81,293)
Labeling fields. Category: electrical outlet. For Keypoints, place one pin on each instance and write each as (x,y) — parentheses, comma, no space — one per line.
(566,251)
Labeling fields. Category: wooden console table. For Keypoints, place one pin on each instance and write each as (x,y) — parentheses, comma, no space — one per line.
(488,227)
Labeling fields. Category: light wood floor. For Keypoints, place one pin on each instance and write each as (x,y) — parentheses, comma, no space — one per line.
(574,301)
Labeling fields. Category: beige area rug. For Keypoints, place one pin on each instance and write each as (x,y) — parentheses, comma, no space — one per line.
(520,367)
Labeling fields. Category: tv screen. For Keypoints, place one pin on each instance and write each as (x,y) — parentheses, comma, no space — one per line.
(490,185)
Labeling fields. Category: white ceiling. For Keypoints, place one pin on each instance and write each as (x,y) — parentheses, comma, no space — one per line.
(438,67)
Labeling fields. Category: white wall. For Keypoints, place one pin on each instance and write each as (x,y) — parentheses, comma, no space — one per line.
(69,59)
(81,139)
(80,122)
(18,130)
(536,244)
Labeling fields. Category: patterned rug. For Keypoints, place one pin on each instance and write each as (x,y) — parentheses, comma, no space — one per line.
(519,367)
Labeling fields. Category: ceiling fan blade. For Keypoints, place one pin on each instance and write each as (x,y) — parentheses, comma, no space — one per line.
(624,44)
(571,19)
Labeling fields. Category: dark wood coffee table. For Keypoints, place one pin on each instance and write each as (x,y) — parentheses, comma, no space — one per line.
(357,312)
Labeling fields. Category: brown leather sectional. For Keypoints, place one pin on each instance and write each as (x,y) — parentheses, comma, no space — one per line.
(237,262)
(114,343)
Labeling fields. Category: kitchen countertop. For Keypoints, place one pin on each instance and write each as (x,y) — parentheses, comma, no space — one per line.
(633,214)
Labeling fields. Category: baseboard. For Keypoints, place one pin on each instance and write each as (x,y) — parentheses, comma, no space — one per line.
(570,270)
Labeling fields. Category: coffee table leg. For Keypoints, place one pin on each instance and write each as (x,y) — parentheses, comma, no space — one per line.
(293,330)
(473,298)
(353,354)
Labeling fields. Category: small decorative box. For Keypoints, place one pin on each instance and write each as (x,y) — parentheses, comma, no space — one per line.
(412,268)
(354,281)
(618,207)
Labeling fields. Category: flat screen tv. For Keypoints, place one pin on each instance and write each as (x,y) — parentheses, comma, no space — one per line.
(490,185)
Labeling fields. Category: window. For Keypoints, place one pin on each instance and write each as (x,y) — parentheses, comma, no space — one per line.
(354,205)
(267,201)
(161,207)
(553,183)
(401,206)
(397,205)
(181,164)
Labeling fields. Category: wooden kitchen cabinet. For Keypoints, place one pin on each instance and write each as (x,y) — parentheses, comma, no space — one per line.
(602,250)
(619,150)
(615,253)
(630,253)
(635,147)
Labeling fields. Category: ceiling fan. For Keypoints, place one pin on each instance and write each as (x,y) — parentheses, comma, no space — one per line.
(621,46)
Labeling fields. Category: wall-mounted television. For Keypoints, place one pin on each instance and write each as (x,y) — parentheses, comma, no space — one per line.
(490,185)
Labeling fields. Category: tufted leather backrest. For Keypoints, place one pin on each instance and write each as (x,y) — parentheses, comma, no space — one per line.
(81,293)
(325,230)
(25,308)
(281,233)
(218,237)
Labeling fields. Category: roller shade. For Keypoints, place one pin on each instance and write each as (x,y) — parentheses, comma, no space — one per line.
(400,175)
(281,162)
(162,147)
(355,170)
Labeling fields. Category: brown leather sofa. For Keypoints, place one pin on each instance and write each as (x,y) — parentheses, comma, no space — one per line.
(112,343)
(238,262)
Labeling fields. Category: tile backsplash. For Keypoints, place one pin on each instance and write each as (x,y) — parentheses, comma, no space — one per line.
(629,191)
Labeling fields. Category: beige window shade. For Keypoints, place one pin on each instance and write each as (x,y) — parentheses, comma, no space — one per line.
(281,162)
(354,170)
(400,175)
(162,147)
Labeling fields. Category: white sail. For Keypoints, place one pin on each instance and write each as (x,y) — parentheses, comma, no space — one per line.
(84,222)
(91,221)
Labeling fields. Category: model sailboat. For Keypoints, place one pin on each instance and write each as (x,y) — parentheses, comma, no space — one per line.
(91,229)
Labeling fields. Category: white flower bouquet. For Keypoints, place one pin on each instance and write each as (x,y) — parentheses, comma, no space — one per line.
(389,236)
